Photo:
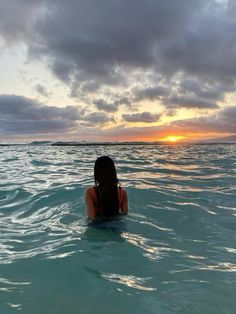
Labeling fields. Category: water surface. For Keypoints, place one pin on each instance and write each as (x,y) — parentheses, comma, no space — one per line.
(174,253)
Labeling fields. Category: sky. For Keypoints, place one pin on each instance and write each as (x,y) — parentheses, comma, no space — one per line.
(117,70)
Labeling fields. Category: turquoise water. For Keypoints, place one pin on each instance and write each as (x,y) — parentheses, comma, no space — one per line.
(174,253)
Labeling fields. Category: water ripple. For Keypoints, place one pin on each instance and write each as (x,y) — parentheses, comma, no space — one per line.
(129,281)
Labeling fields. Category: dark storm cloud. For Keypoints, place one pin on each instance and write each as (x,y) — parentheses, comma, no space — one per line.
(146,117)
(117,34)
(206,47)
(87,40)
(188,102)
(18,18)
(20,114)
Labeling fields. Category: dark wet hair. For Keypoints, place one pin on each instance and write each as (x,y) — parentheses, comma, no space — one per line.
(106,182)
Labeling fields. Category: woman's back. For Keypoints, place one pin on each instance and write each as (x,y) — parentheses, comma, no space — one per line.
(95,211)
(106,198)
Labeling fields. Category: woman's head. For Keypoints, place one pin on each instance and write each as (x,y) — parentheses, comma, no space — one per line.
(105,171)
(106,186)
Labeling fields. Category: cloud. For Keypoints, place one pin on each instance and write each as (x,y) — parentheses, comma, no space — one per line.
(168,37)
(188,102)
(42,90)
(146,117)
(97,118)
(194,37)
(113,106)
(150,93)
(18,18)
(118,34)
(103,105)
(206,48)
(25,115)
(205,90)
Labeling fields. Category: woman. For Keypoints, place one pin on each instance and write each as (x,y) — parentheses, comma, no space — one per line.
(106,199)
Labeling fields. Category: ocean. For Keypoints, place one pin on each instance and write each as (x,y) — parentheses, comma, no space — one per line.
(175,252)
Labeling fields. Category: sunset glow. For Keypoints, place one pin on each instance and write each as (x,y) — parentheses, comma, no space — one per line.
(173,138)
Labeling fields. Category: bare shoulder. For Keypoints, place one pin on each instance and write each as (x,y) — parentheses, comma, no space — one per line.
(89,192)
(124,202)
(90,202)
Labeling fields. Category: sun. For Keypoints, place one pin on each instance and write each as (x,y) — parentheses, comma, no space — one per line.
(172,138)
